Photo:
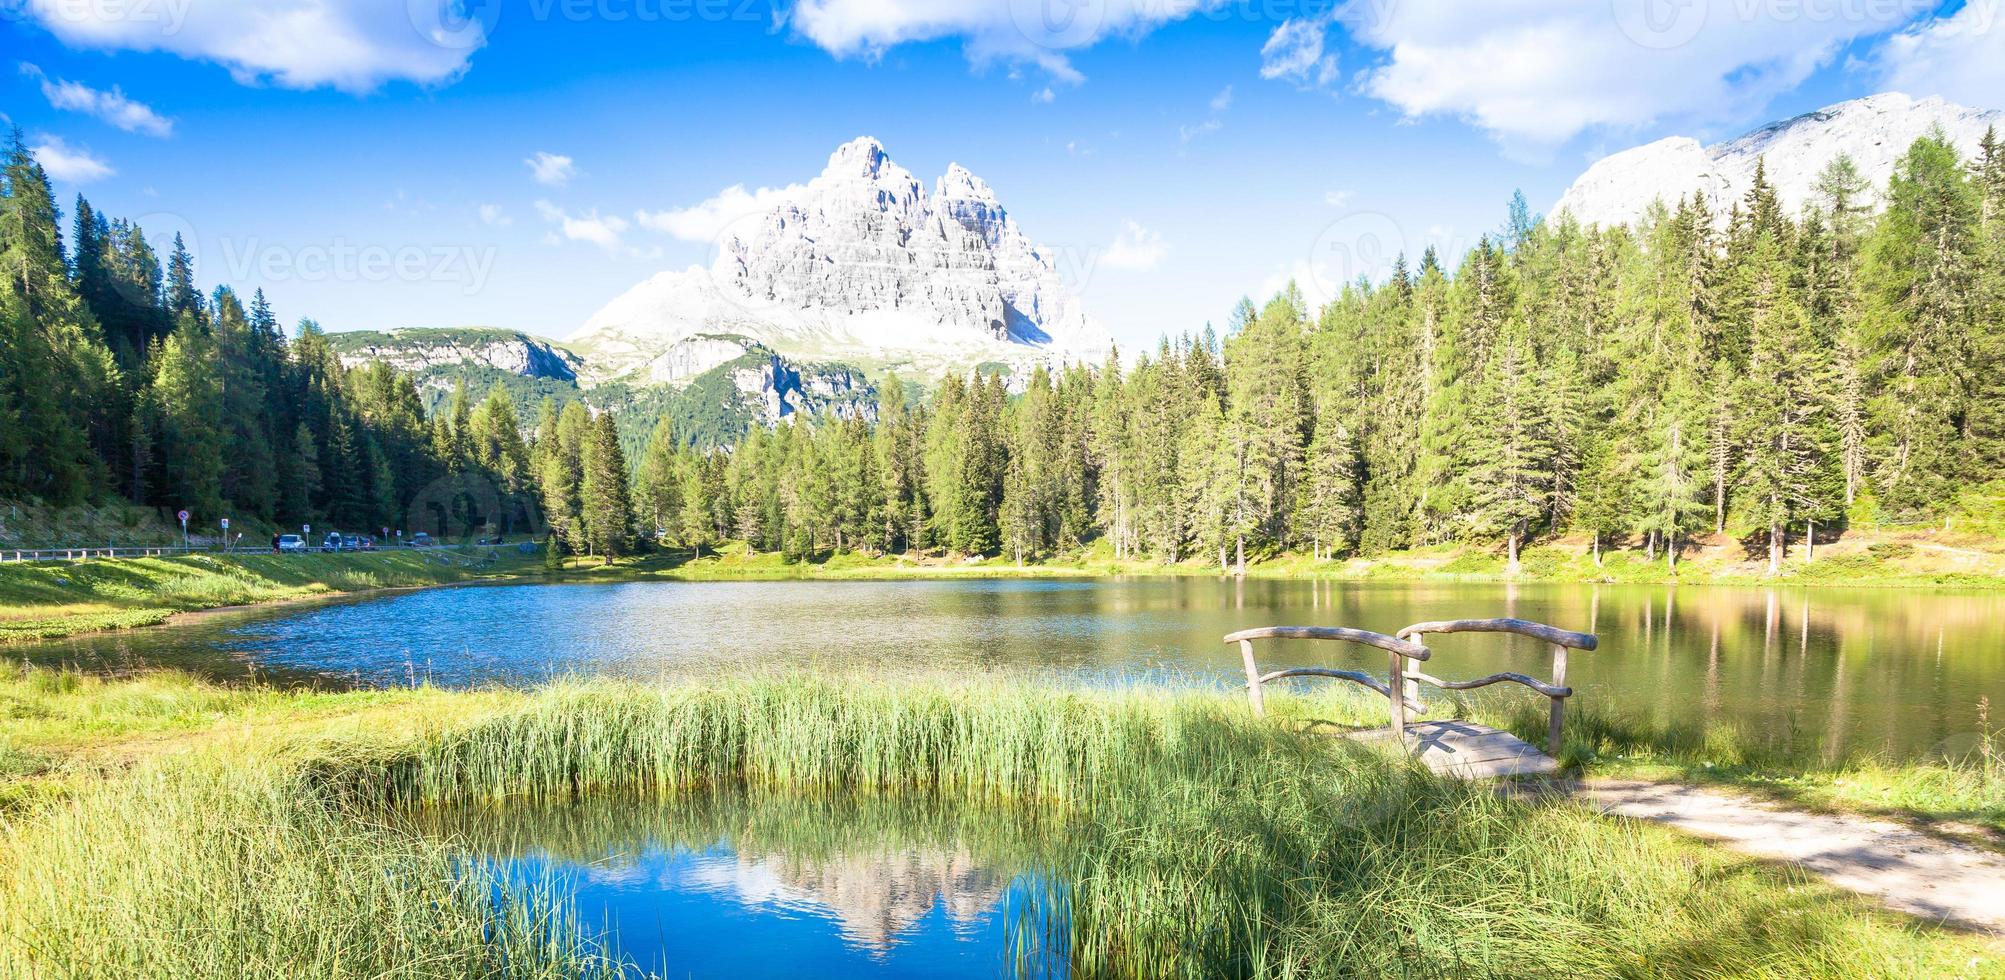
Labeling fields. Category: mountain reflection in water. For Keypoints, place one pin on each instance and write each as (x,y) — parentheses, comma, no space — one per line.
(782,887)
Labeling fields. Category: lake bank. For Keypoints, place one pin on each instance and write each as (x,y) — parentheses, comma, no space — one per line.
(1903,559)
(48,600)
(1200,840)
(45,600)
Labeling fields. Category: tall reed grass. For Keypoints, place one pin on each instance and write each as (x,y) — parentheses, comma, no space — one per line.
(1192,840)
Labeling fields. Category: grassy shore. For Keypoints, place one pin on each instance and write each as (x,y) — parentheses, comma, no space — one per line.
(1913,559)
(160,826)
(51,599)
(41,600)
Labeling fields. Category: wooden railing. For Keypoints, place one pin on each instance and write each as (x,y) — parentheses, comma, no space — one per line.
(1404,679)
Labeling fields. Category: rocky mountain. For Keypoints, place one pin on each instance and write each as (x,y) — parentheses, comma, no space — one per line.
(712,387)
(1873,131)
(861,264)
(422,351)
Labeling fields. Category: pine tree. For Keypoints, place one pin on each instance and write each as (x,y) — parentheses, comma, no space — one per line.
(607,512)
(658,485)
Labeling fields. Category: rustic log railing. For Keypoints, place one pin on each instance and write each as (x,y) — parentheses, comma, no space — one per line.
(1403,679)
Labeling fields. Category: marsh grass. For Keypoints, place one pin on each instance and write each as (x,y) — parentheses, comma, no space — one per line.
(1196,841)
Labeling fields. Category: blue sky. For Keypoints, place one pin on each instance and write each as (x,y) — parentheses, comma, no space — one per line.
(393,163)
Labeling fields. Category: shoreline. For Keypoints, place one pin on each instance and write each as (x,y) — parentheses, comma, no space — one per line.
(735,565)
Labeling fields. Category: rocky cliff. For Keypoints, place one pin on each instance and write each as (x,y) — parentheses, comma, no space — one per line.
(861,263)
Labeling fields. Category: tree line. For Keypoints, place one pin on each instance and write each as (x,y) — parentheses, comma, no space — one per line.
(1755,374)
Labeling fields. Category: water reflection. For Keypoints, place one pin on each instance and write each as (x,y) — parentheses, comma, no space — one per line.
(1840,672)
(781,886)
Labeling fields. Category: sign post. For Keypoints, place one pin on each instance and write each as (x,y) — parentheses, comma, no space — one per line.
(226,534)
(184,528)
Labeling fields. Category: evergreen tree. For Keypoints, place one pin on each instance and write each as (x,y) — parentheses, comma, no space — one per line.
(607,511)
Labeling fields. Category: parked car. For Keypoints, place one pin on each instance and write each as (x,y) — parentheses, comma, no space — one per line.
(332,542)
(365,543)
(421,540)
(291,543)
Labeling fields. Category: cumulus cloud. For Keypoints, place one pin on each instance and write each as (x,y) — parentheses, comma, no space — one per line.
(354,46)
(604,231)
(1135,248)
(551,169)
(491,214)
(1534,73)
(1960,57)
(706,220)
(1036,32)
(110,106)
(1294,52)
(67,163)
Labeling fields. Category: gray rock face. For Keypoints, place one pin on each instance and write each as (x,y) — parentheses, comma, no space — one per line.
(415,351)
(783,390)
(862,261)
(1873,131)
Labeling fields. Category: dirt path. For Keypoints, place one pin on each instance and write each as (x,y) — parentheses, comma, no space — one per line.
(1906,869)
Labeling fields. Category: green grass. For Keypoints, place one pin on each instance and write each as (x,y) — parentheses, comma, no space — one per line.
(1198,841)
(41,600)
(1929,560)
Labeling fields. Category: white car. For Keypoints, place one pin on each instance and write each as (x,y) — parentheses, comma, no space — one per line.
(291,542)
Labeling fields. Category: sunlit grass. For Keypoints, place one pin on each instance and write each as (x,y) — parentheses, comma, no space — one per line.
(50,599)
(1196,840)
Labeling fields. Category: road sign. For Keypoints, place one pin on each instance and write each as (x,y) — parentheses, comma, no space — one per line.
(306,529)
(226,523)
(184,516)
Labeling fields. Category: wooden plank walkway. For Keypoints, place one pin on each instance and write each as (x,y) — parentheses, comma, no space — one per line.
(1471,751)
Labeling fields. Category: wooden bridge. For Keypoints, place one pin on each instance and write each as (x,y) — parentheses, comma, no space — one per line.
(1455,747)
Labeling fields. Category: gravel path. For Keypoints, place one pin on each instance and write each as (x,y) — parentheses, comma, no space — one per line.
(1904,868)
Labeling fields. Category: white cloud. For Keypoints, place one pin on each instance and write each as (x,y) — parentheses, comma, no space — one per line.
(1961,57)
(1219,103)
(705,221)
(74,165)
(601,230)
(491,214)
(1135,248)
(112,107)
(354,46)
(552,169)
(1534,73)
(1187,133)
(1037,32)
(1337,199)
(1295,52)
(1043,96)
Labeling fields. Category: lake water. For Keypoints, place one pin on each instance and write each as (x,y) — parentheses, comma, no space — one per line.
(878,888)
(1834,671)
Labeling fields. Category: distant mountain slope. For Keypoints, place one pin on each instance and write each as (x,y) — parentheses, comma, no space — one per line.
(860,264)
(722,384)
(1873,131)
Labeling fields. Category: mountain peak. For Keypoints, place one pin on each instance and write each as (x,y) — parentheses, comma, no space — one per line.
(864,265)
(861,157)
(1874,131)
(959,184)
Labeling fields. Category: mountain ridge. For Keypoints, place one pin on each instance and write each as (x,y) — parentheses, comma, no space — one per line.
(1874,131)
(862,262)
